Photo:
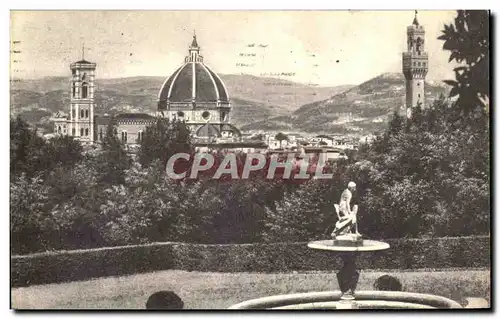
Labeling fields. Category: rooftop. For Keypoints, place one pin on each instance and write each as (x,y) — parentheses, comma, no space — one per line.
(142,116)
(83,62)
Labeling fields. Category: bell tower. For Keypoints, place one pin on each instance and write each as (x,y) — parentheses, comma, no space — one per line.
(415,66)
(82,100)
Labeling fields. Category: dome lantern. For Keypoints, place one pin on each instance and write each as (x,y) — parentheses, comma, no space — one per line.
(194,51)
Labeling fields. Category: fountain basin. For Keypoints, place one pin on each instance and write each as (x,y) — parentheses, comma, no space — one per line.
(364,300)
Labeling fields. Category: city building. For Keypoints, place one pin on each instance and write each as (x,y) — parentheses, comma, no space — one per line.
(193,94)
(196,95)
(415,66)
(80,122)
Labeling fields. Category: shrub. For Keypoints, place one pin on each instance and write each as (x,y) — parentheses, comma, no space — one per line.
(436,253)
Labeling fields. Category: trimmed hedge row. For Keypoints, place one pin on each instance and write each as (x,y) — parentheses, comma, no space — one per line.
(74,265)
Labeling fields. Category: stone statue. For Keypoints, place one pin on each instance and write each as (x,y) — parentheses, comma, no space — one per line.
(346,228)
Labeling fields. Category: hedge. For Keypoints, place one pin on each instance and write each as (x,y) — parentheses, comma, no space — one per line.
(62,266)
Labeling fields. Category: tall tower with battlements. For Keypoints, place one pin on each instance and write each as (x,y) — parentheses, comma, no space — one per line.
(415,66)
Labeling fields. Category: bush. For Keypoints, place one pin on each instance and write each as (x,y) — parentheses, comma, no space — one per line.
(437,253)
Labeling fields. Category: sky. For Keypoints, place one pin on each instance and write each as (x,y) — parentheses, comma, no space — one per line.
(317,47)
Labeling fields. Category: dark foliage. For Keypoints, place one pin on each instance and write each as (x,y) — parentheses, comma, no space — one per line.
(31,154)
(164,139)
(468,39)
(437,253)
(427,176)
(113,160)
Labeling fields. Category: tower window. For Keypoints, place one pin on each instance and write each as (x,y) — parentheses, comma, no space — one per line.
(86,132)
(81,131)
(139,136)
(205,115)
(86,113)
(73,131)
(423,63)
(100,134)
(59,129)
(74,89)
(73,113)
(124,137)
(419,44)
(414,63)
(419,95)
(85,90)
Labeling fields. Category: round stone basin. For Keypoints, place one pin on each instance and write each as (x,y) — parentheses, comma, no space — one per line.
(368,245)
(348,298)
(364,300)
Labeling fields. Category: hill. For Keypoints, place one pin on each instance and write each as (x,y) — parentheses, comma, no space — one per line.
(253,98)
(364,108)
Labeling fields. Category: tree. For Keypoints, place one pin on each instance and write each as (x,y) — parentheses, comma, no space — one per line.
(281,137)
(162,140)
(468,41)
(396,124)
(302,215)
(77,196)
(31,223)
(113,159)
(32,154)
(64,151)
(27,150)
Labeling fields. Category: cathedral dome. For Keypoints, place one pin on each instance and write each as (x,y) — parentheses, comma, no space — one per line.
(193,83)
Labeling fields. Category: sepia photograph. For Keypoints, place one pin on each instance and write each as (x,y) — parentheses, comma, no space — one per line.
(250,160)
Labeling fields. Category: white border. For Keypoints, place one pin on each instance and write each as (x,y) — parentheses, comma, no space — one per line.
(186,5)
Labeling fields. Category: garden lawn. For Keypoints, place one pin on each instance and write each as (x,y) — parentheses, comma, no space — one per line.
(203,290)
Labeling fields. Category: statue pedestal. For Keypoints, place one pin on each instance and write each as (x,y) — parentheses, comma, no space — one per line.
(348,240)
(348,247)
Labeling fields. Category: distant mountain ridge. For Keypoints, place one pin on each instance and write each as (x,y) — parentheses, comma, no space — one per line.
(253,98)
(259,103)
(364,108)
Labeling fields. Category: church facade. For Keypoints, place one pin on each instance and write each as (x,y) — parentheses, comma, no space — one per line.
(193,94)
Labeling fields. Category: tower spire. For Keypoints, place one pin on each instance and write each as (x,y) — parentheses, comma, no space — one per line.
(415,20)
(83,51)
